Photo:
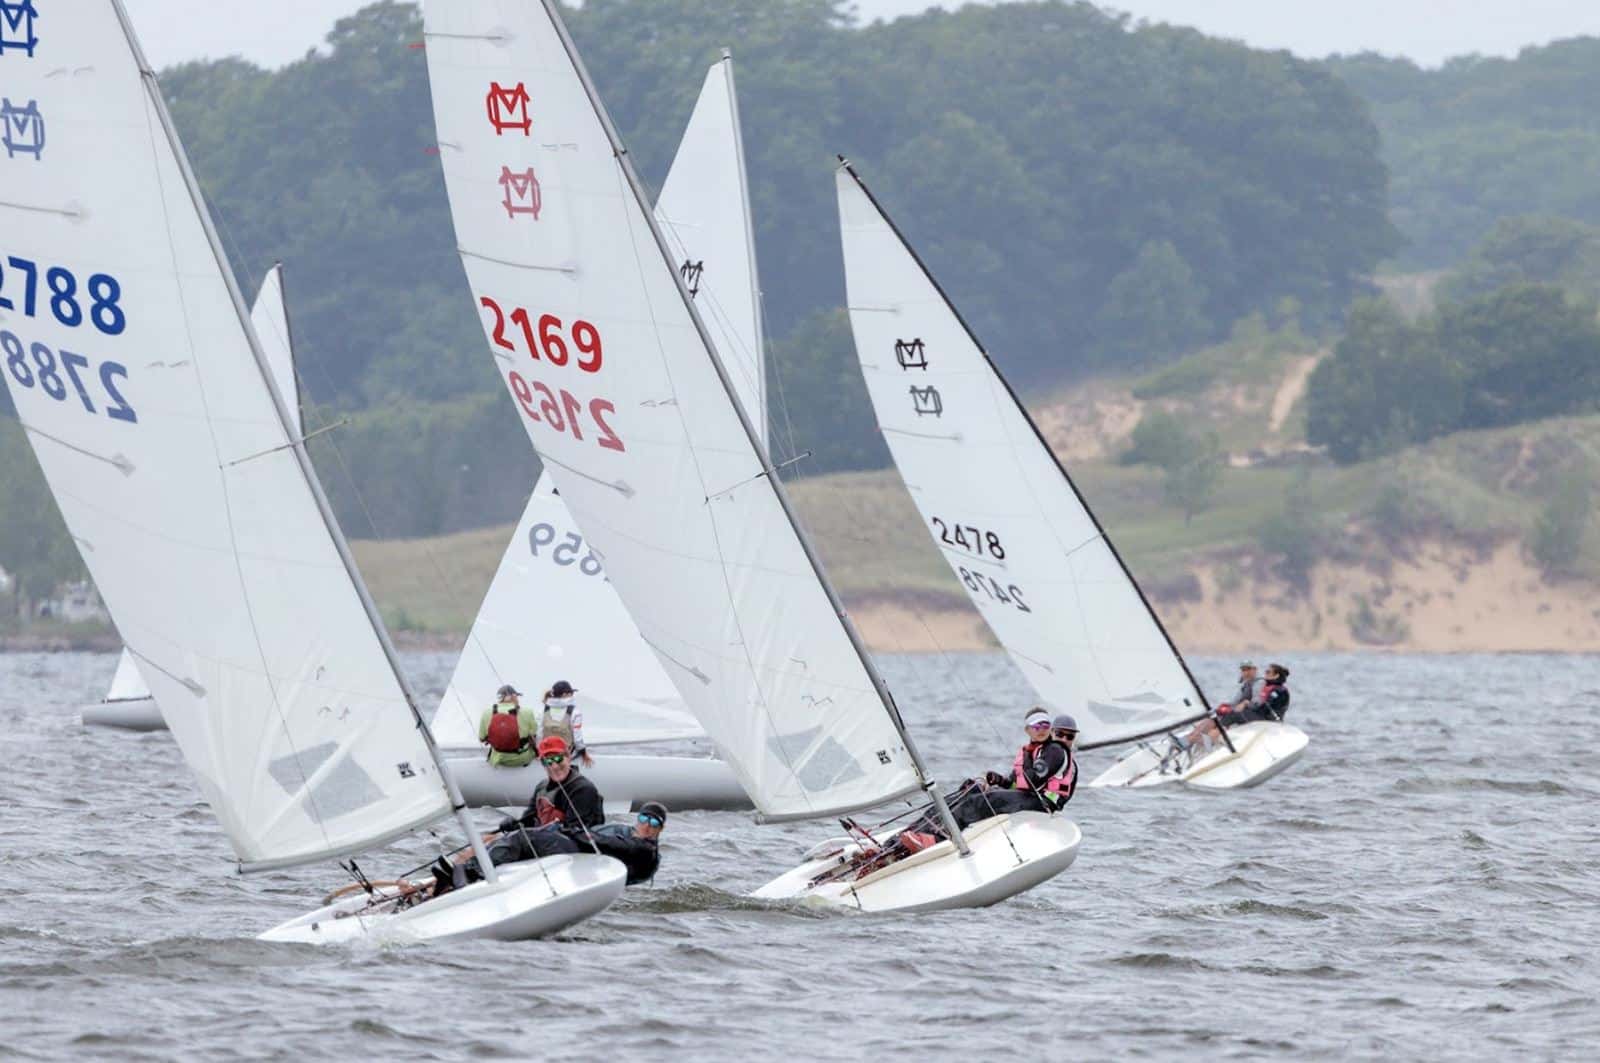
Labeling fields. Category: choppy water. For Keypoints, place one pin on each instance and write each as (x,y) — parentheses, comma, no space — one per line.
(1423,884)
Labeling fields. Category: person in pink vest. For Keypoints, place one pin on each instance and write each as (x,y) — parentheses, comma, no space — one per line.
(1043,775)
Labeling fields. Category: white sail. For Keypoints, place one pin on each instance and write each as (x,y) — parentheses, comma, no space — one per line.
(127,684)
(627,405)
(704,210)
(1010,524)
(272,327)
(550,613)
(154,424)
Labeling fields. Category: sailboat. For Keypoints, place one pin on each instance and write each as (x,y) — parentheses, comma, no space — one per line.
(151,407)
(643,430)
(550,613)
(128,704)
(1016,532)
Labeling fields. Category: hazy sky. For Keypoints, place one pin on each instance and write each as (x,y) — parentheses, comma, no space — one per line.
(1426,30)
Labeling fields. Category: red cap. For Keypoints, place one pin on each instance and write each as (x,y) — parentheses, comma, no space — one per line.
(553,744)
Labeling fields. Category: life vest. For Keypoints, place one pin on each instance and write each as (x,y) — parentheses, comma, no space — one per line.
(546,812)
(1058,786)
(505,732)
(557,720)
(1274,700)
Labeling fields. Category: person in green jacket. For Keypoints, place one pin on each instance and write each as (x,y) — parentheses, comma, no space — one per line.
(509,730)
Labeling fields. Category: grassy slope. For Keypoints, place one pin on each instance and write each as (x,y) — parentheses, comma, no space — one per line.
(1478,487)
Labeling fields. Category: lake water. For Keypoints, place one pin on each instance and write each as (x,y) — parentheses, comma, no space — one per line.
(1424,883)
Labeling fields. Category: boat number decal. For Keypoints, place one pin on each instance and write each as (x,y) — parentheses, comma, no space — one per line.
(1010,594)
(545,339)
(62,295)
(35,365)
(566,552)
(979,542)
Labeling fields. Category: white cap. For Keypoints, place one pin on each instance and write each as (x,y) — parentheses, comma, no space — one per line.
(1036,717)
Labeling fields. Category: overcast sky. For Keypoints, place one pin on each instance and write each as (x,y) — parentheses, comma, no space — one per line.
(1428,31)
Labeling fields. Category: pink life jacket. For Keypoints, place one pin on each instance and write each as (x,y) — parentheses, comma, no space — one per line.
(1058,787)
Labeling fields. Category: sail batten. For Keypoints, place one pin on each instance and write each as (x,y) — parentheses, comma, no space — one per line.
(725,587)
(1007,518)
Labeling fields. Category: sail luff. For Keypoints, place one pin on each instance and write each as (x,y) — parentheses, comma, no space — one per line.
(880,685)
(763,417)
(1033,427)
(297,444)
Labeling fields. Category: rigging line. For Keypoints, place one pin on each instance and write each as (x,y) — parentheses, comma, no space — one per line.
(153,89)
(464,253)
(627,196)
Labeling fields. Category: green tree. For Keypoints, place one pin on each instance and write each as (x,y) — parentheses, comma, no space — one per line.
(1160,438)
(1190,483)
(1529,250)
(1155,308)
(1558,534)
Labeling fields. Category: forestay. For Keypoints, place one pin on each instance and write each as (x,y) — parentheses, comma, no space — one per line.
(1000,509)
(550,613)
(622,396)
(134,375)
(272,327)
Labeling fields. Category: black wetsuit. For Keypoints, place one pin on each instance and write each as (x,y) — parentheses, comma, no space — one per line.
(641,856)
(554,811)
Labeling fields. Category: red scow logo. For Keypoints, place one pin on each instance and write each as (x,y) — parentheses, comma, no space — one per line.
(522,195)
(508,108)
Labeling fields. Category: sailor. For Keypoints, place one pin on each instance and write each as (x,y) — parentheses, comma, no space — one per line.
(1249,690)
(1042,777)
(1064,733)
(637,847)
(562,719)
(1270,702)
(508,730)
(564,803)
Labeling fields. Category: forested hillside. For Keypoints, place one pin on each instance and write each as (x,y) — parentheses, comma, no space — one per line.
(1137,211)
(1480,140)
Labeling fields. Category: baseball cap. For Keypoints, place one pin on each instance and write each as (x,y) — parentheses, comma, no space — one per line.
(553,744)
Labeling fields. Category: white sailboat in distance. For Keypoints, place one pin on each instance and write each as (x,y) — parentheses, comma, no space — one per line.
(550,613)
(154,414)
(641,426)
(1013,528)
(128,704)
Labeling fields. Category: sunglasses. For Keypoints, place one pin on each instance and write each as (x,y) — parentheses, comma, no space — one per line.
(553,759)
(1066,734)
(1038,727)
(651,821)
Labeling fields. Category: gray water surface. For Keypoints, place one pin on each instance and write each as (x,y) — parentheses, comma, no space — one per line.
(1423,884)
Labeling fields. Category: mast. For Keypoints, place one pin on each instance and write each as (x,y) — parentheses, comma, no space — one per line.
(761,413)
(768,470)
(1205,707)
(297,439)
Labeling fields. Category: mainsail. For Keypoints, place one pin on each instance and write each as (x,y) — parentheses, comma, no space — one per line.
(1001,510)
(165,444)
(271,323)
(550,612)
(635,417)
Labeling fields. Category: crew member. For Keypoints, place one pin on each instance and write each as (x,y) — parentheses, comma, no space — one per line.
(508,730)
(562,719)
(564,803)
(637,847)
(1042,779)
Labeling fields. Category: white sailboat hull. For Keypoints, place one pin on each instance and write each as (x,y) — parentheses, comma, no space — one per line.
(130,714)
(626,782)
(532,899)
(1010,854)
(1261,750)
